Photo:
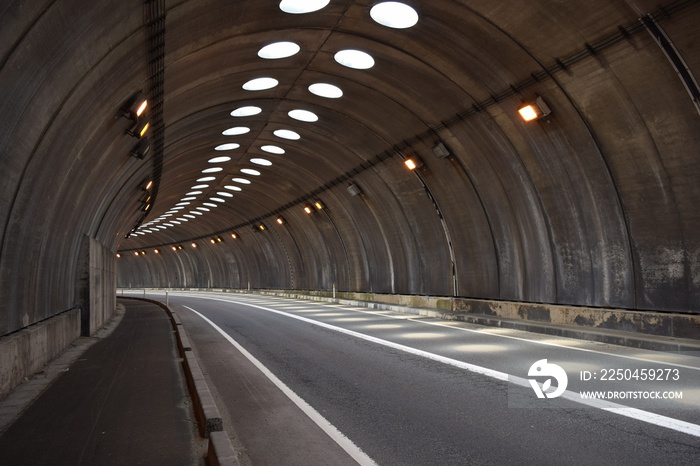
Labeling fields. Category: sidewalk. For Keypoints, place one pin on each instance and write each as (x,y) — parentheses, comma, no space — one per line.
(124,401)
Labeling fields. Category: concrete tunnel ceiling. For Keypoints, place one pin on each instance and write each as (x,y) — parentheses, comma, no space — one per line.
(593,204)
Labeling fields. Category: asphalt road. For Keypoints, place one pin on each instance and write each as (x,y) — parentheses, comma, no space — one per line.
(398,389)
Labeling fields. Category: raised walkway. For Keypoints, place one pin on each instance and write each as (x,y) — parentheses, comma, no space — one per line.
(123,401)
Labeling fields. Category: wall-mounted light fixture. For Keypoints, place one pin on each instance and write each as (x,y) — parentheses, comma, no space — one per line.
(280,220)
(413,162)
(136,253)
(141,149)
(177,247)
(143,253)
(119,256)
(139,129)
(135,108)
(146,185)
(308,209)
(441,151)
(193,244)
(354,190)
(234,236)
(319,205)
(260,227)
(156,251)
(216,240)
(534,110)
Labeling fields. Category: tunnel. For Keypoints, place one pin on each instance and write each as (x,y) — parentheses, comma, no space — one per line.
(536,156)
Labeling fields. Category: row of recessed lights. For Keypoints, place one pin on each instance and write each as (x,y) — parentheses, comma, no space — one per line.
(391,14)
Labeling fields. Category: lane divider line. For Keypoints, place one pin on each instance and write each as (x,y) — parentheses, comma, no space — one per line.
(338,437)
(634,413)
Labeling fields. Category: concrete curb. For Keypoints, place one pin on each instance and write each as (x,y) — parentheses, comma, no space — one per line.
(220,449)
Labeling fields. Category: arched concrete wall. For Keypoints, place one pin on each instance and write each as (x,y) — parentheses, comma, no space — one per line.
(595,205)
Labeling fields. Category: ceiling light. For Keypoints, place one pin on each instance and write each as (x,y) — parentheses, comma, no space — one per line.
(236,131)
(183,203)
(220,159)
(241,181)
(216,199)
(203,209)
(308,209)
(191,198)
(232,188)
(302,6)
(303,115)
(212,170)
(355,59)
(534,110)
(263,162)
(319,205)
(234,236)
(205,179)
(136,108)
(193,193)
(250,171)
(280,221)
(194,245)
(395,15)
(287,134)
(196,212)
(189,216)
(260,84)
(246,111)
(224,194)
(279,50)
(156,251)
(326,90)
(209,204)
(273,149)
(230,146)
(200,186)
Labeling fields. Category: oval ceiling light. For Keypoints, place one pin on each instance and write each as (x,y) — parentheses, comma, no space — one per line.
(192,198)
(250,171)
(326,90)
(195,212)
(204,209)
(201,186)
(204,180)
(279,50)
(260,84)
(212,170)
(230,146)
(395,15)
(236,130)
(183,203)
(216,199)
(224,194)
(287,134)
(233,188)
(189,215)
(193,193)
(356,59)
(209,204)
(303,115)
(262,162)
(296,7)
(246,111)
(273,149)
(220,159)
(241,181)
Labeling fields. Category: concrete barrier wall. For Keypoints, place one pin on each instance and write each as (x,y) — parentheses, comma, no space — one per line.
(102,285)
(25,352)
(666,324)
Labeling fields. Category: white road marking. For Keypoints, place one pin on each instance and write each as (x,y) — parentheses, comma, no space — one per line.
(638,414)
(345,443)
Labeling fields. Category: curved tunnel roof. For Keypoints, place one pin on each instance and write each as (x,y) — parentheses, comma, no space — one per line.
(592,203)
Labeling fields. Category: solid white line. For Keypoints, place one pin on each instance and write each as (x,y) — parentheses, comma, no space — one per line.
(638,414)
(345,443)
